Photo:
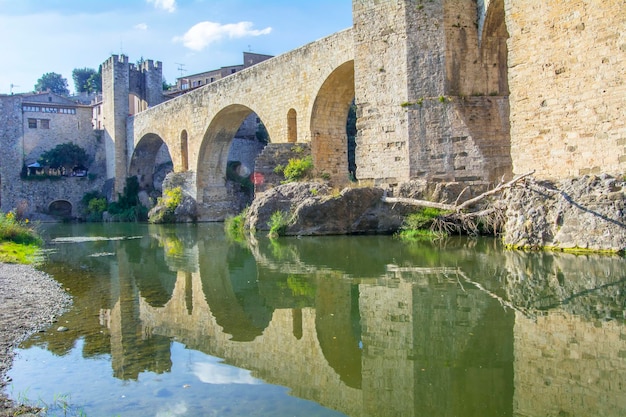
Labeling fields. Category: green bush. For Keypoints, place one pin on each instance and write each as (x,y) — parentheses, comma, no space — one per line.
(18,231)
(235,227)
(298,168)
(278,224)
(170,200)
(417,226)
(127,208)
(95,204)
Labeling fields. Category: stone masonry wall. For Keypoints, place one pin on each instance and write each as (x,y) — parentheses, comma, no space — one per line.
(381,79)
(11,149)
(567,82)
(429,99)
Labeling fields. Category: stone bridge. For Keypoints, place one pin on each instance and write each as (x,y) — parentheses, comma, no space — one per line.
(464,91)
(301,96)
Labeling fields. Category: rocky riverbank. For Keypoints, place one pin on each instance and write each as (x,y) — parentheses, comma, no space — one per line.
(579,214)
(30,301)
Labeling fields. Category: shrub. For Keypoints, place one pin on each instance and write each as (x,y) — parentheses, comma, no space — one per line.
(128,208)
(95,204)
(417,226)
(235,226)
(278,224)
(18,231)
(170,200)
(298,168)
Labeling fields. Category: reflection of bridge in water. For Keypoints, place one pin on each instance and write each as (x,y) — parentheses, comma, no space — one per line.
(401,341)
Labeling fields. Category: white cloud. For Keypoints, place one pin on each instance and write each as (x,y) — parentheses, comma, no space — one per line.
(167,5)
(205,33)
(141,26)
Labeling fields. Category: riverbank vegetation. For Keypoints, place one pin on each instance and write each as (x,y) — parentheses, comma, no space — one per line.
(19,241)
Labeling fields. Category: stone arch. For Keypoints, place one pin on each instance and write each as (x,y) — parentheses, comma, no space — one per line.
(494,48)
(329,141)
(150,150)
(216,142)
(184,151)
(60,208)
(292,126)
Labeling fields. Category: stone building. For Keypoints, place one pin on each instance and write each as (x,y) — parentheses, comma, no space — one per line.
(208,77)
(31,124)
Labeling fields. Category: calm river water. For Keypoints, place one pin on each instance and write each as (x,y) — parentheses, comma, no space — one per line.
(178,321)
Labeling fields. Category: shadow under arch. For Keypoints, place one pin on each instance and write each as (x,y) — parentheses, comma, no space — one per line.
(329,140)
(213,156)
(60,208)
(143,163)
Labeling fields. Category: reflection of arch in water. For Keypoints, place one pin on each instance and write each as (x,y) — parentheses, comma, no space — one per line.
(153,278)
(339,332)
(233,296)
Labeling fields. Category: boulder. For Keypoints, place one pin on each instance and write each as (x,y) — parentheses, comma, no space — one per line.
(316,210)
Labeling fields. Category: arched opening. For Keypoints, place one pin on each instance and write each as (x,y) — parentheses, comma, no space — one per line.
(328,124)
(61,209)
(494,48)
(184,151)
(231,144)
(150,163)
(292,126)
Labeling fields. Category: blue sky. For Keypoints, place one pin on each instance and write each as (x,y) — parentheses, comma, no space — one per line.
(41,36)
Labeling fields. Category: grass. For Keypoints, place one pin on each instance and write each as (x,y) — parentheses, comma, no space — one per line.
(235,227)
(278,224)
(417,226)
(16,253)
(19,242)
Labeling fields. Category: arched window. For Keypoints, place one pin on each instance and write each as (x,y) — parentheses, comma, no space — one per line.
(292,126)
(184,153)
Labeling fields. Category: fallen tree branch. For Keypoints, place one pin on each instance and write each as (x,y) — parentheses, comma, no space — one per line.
(455,207)
(496,190)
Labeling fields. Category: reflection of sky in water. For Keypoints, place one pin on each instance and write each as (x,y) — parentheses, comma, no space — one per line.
(219,373)
(198,385)
(82,239)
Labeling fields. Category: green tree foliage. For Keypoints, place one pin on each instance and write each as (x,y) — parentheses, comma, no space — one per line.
(166,85)
(87,80)
(128,208)
(53,82)
(66,155)
(95,204)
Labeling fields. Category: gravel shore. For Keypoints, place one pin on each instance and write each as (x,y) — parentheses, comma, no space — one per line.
(30,300)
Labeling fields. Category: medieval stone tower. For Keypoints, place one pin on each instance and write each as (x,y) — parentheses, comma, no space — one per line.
(126,89)
(431,92)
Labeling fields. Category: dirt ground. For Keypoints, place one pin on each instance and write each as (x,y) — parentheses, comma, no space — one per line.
(30,301)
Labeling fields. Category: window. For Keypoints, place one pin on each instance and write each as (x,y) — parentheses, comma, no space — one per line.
(45,123)
(32,123)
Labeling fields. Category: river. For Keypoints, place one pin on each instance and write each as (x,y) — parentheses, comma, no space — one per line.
(181,321)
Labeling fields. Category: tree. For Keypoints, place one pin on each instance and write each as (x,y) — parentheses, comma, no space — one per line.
(65,155)
(53,82)
(87,80)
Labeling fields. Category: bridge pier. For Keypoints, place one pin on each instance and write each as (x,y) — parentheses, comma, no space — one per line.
(216,202)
